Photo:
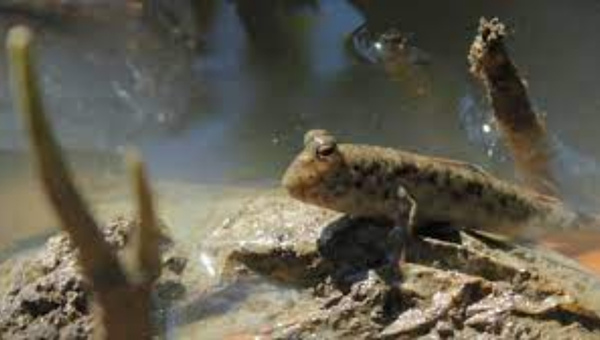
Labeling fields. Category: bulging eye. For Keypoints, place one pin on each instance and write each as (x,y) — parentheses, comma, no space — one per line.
(321,143)
(326,149)
(315,136)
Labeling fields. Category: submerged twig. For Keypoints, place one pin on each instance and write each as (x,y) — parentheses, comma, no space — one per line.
(147,238)
(523,130)
(95,254)
(124,303)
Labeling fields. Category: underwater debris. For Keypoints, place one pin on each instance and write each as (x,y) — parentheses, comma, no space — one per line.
(189,21)
(124,303)
(396,53)
(523,130)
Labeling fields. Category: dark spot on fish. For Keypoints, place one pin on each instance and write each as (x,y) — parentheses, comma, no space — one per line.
(520,211)
(429,177)
(364,172)
(407,170)
(377,180)
(390,177)
(358,183)
(474,188)
(457,195)
(490,206)
(504,201)
(389,193)
(370,169)
(375,166)
(371,190)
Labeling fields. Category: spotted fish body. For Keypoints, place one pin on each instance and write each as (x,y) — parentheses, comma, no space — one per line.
(363,180)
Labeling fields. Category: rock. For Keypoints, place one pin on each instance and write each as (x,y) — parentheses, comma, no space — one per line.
(78,330)
(459,285)
(50,299)
(275,237)
(40,331)
(340,283)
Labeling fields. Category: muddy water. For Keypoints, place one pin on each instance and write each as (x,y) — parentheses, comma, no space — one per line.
(217,124)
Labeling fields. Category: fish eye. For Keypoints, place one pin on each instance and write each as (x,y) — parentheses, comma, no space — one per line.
(325,149)
(315,136)
(321,142)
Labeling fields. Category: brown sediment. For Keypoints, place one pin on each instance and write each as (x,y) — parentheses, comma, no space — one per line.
(124,305)
(522,129)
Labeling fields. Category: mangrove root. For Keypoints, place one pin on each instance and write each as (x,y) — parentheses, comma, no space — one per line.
(522,129)
(123,301)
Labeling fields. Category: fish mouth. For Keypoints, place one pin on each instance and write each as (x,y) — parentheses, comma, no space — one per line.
(292,184)
(301,178)
(299,185)
(287,182)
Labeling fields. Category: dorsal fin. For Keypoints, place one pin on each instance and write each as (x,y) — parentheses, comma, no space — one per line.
(460,164)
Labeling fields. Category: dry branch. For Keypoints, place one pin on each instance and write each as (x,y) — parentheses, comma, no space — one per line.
(522,129)
(124,304)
